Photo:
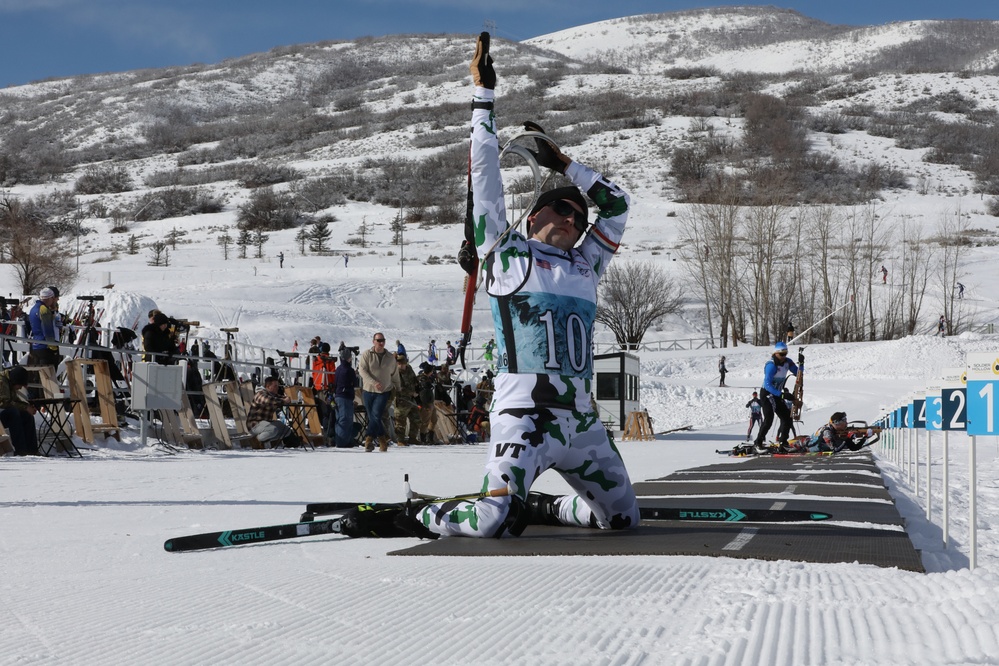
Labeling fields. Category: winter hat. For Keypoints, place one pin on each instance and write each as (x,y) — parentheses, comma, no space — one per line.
(46,293)
(324,348)
(345,355)
(159,319)
(18,376)
(401,357)
(571,193)
(780,347)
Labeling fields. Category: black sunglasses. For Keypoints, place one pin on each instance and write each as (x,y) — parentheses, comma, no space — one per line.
(563,208)
(379,339)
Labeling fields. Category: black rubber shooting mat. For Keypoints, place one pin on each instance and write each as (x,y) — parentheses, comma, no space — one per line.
(865,526)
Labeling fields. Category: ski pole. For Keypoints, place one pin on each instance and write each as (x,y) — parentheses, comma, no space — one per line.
(792,340)
(506,491)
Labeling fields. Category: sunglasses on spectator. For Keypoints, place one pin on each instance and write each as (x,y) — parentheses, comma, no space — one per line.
(379,339)
(563,208)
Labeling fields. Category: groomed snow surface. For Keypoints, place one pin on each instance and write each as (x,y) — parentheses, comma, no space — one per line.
(86,579)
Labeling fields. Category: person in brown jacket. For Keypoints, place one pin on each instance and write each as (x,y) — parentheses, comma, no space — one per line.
(379,377)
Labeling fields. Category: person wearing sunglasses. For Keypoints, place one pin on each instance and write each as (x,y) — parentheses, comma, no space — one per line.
(773,397)
(837,435)
(543,290)
(379,377)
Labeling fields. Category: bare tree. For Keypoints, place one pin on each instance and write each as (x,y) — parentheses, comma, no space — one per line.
(30,246)
(159,254)
(633,297)
(954,243)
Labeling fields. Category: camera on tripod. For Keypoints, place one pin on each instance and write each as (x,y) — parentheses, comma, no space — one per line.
(182,325)
(285,354)
(229,330)
(11,302)
(99,297)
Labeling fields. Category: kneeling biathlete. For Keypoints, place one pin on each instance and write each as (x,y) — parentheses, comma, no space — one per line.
(543,296)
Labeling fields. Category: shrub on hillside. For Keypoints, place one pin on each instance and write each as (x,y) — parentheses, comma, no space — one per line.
(174,202)
(317,194)
(265,175)
(104,179)
(267,210)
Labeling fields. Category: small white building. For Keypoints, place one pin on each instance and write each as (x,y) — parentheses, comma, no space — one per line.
(617,387)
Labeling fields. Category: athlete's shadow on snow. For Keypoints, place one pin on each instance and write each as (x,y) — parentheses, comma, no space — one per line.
(28,503)
(688,435)
(927,537)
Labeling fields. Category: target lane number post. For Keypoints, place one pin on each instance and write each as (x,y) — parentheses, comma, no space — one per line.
(982,377)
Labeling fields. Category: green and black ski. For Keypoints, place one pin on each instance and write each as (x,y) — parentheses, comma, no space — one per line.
(252,535)
(728,515)
(733,515)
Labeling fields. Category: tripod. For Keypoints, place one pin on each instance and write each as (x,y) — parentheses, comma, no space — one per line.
(224,371)
(91,334)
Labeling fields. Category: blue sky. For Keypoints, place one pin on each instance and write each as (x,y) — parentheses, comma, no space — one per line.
(55,38)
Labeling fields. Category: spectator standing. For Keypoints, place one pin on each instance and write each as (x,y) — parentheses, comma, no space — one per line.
(379,377)
(452,354)
(407,411)
(941,326)
(280,259)
(323,367)
(42,319)
(884,274)
(426,383)
(960,290)
(345,382)
(432,353)
(157,341)
(722,370)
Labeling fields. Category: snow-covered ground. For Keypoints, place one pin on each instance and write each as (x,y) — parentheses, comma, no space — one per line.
(87,580)
(84,578)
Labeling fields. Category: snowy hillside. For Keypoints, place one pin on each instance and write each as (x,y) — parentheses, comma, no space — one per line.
(86,580)
(759,39)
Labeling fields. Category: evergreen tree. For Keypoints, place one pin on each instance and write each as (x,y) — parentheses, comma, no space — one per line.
(259,238)
(302,237)
(225,240)
(319,236)
(243,241)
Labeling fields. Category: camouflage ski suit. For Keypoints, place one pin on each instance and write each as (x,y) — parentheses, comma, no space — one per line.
(543,302)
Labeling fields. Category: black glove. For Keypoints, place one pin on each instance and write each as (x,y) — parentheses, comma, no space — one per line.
(547,154)
(801,358)
(483,74)
(468,258)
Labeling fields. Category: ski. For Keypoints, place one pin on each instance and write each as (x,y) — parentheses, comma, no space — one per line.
(798,454)
(680,429)
(250,535)
(656,513)
(732,515)
(333,508)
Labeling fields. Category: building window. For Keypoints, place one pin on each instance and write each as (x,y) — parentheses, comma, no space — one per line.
(608,386)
